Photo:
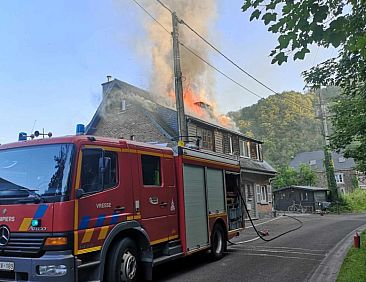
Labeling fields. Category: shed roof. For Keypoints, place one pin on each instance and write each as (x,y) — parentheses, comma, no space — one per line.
(307,188)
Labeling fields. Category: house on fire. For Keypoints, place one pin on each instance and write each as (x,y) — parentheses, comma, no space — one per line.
(131,113)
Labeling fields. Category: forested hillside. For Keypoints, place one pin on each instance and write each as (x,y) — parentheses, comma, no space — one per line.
(285,122)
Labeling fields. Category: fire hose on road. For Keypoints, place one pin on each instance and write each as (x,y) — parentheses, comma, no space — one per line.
(261,234)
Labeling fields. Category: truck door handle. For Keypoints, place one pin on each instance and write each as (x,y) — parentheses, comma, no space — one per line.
(119,209)
(163,204)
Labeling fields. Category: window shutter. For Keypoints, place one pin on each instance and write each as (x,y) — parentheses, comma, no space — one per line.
(269,191)
(258,189)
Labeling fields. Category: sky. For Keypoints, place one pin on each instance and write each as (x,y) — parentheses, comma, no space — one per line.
(55,55)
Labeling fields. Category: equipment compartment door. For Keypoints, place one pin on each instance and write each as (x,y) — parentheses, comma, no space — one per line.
(195,207)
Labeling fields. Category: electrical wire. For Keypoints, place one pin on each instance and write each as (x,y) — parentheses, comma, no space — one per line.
(216,69)
(199,57)
(151,16)
(218,51)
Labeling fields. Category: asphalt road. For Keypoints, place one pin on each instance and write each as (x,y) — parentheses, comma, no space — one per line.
(292,257)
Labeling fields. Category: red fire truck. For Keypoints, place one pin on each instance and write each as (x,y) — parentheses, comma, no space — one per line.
(83,208)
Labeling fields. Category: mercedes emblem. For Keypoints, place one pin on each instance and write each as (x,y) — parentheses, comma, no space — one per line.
(4,235)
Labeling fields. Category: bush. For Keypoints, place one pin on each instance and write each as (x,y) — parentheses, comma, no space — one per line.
(356,200)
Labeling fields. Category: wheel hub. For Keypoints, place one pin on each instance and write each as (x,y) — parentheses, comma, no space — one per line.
(128,266)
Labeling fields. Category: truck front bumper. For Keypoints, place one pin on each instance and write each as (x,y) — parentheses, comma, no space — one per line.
(27,269)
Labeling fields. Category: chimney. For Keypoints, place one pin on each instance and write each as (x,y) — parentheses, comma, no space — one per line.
(109,78)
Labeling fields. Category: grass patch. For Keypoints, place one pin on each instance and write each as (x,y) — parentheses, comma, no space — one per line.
(354,265)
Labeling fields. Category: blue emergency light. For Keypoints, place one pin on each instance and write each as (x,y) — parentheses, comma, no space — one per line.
(80,129)
(22,136)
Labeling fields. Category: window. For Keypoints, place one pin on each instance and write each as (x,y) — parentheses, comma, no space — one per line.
(312,162)
(260,156)
(244,148)
(253,150)
(207,138)
(339,178)
(151,170)
(304,196)
(231,145)
(123,105)
(264,195)
(93,178)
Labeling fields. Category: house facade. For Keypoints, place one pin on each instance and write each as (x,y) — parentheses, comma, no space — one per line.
(347,178)
(131,113)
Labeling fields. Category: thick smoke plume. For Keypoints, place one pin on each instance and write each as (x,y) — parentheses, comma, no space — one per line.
(198,78)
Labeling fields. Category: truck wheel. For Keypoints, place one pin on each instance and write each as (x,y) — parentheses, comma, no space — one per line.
(218,242)
(122,264)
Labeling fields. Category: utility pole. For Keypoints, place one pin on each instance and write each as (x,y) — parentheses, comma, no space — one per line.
(182,124)
(328,161)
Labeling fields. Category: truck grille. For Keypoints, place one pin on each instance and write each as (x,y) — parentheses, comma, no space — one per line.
(23,244)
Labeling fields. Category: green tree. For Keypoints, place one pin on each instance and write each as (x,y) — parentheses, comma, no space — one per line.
(306,176)
(286,124)
(287,176)
(337,23)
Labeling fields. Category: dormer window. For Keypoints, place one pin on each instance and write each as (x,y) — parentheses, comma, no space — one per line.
(312,162)
(231,150)
(341,159)
(244,148)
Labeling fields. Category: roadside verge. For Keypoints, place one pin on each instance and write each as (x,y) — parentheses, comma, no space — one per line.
(328,269)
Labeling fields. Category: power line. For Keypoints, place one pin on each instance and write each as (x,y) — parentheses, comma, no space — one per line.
(165,6)
(209,64)
(216,69)
(194,53)
(218,51)
(151,16)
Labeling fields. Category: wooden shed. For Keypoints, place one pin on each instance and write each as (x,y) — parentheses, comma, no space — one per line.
(299,198)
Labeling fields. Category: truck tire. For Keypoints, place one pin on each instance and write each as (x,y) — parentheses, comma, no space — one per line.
(218,242)
(122,263)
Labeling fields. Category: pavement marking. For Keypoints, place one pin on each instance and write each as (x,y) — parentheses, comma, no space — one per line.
(279,251)
(277,256)
(290,248)
(273,219)
(247,241)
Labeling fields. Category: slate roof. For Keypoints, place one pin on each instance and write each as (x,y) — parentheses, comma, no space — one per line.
(318,157)
(307,188)
(165,119)
(252,165)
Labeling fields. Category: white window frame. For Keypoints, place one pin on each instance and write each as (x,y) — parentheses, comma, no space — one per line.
(264,195)
(231,151)
(244,149)
(248,148)
(339,178)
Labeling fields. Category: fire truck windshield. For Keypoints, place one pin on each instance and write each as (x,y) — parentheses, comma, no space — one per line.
(36,173)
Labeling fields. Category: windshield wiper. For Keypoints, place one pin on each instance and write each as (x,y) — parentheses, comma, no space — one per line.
(20,193)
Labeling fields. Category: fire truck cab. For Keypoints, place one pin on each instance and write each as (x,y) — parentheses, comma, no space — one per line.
(84,208)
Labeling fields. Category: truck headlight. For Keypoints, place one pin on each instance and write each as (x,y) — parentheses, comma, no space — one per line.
(51,270)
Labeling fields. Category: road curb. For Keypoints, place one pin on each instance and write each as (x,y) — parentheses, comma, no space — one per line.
(328,269)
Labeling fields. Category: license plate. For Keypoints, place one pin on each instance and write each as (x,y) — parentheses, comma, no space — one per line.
(6,265)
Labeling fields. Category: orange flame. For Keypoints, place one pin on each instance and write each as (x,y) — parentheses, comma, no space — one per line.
(191,100)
